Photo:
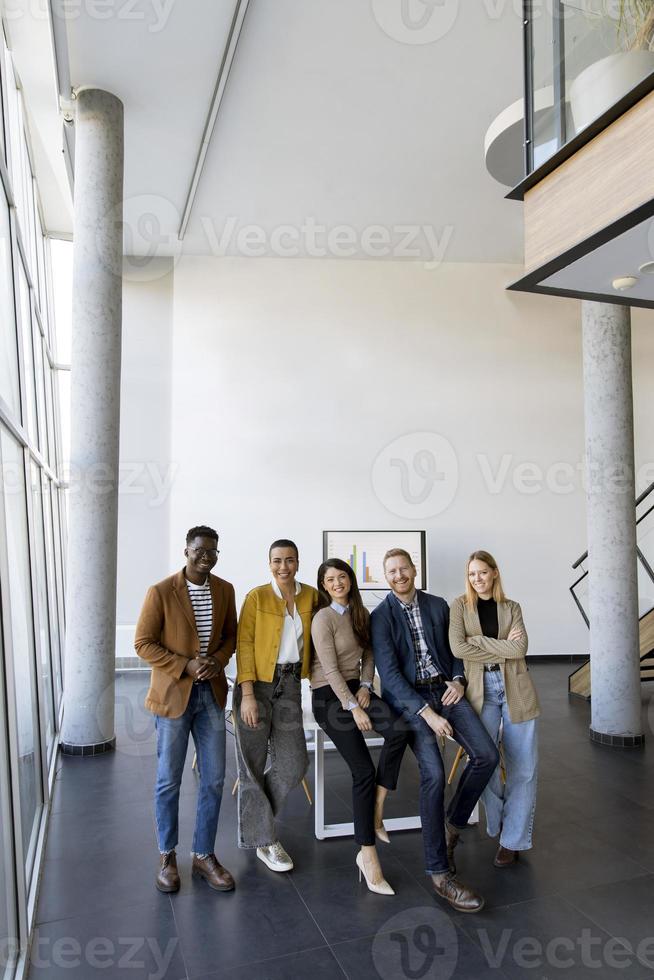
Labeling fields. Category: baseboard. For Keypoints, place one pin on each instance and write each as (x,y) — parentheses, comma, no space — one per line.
(568,658)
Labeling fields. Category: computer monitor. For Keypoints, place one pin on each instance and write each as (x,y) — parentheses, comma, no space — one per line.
(364,552)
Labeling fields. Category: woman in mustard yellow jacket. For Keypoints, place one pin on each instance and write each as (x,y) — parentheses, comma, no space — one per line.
(487,632)
(273,654)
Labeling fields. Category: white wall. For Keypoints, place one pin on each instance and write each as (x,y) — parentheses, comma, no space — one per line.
(257,395)
(291,376)
(145,440)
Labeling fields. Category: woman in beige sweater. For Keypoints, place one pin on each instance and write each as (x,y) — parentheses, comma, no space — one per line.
(345,706)
(488,634)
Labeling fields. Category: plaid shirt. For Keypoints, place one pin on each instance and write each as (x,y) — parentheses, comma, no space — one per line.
(425,667)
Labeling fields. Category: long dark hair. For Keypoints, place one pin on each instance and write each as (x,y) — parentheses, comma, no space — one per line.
(358,612)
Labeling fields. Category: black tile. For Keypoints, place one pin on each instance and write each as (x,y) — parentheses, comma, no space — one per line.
(346,909)
(623,909)
(592,841)
(545,938)
(317,964)
(90,883)
(140,942)
(421,948)
(263,918)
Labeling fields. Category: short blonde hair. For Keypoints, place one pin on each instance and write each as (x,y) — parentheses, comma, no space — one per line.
(498,591)
(398,553)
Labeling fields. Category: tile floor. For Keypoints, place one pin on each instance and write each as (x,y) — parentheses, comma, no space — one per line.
(581,904)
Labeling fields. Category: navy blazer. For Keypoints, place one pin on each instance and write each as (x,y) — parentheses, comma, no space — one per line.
(394,653)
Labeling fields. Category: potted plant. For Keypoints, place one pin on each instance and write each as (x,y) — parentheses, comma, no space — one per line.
(604,82)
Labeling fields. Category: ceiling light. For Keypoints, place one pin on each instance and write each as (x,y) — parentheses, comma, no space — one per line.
(647,268)
(624,282)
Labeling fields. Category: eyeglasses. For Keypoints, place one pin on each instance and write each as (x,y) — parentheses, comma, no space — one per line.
(205,553)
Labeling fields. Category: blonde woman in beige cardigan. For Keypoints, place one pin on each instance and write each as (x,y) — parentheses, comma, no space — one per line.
(487,632)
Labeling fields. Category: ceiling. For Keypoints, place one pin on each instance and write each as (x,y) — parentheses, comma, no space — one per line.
(344,131)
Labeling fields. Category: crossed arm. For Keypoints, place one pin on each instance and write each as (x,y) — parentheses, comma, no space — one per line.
(484,649)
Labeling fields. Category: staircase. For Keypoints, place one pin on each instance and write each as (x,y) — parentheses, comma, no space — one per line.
(579,680)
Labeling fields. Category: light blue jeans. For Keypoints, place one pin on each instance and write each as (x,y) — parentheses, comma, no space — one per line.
(510,807)
(205,720)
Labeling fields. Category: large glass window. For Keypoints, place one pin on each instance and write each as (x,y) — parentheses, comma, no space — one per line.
(53,562)
(43,612)
(32,544)
(25,320)
(9,387)
(19,639)
(9,944)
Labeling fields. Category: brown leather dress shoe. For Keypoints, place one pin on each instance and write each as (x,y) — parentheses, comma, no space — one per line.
(504,857)
(168,878)
(451,839)
(213,873)
(460,897)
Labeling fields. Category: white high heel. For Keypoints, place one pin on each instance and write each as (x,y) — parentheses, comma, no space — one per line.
(379,888)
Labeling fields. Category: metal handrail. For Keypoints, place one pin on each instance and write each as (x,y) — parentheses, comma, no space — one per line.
(642,517)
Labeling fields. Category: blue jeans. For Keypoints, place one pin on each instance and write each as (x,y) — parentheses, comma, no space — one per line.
(510,807)
(482,760)
(205,720)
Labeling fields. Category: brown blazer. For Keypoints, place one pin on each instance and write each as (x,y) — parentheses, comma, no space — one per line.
(166,636)
(475,649)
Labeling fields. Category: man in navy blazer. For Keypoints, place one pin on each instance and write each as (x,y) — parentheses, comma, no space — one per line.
(425,684)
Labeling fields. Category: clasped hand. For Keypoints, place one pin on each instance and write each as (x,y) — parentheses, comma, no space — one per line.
(203,668)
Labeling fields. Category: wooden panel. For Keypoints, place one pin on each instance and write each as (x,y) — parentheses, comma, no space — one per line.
(606,179)
(580,681)
(647,633)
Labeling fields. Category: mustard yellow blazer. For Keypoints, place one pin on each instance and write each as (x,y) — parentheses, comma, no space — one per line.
(260,632)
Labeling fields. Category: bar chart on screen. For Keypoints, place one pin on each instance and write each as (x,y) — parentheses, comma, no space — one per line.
(364,552)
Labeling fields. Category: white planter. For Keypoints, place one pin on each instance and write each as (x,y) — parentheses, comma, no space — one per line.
(603,83)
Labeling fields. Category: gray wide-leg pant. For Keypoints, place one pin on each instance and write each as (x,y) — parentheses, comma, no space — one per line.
(280,733)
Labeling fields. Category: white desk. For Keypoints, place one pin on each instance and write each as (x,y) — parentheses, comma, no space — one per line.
(319,744)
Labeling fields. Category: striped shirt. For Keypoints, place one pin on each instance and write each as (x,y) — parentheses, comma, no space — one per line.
(200,596)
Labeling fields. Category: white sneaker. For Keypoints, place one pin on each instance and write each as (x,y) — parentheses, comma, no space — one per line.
(275,857)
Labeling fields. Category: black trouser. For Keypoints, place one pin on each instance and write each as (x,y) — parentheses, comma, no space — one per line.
(339,725)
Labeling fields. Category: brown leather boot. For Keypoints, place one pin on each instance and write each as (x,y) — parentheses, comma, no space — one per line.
(504,857)
(460,897)
(213,873)
(168,878)
(451,839)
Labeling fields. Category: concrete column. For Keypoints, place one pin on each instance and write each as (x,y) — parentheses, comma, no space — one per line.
(611,521)
(95,413)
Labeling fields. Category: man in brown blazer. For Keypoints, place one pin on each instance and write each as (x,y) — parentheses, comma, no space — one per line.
(187,633)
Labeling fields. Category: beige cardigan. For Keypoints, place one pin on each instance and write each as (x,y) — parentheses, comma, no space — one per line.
(475,649)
